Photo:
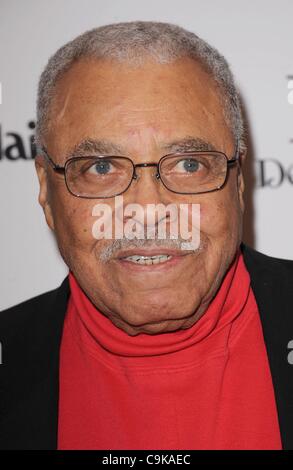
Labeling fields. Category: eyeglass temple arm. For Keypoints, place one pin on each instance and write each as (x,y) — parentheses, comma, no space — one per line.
(57,168)
(236,157)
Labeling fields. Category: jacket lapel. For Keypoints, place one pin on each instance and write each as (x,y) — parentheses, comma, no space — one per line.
(272,284)
(30,374)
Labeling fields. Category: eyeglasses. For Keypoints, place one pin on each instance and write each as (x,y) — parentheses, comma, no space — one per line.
(104,176)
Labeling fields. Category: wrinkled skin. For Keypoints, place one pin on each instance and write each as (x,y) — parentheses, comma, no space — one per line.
(142,109)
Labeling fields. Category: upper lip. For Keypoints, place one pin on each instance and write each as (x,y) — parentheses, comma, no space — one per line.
(151,252)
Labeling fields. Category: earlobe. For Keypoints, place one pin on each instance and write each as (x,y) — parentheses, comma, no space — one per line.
(43,192)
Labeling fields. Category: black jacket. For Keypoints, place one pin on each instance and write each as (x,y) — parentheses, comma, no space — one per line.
(30,334)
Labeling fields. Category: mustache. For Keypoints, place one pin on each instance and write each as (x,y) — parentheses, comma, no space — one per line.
(108,252)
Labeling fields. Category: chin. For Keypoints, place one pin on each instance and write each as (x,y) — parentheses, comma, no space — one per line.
(160,327)
(158,322)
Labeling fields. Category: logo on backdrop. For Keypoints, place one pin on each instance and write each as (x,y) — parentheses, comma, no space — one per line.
(15,146)
(271,173)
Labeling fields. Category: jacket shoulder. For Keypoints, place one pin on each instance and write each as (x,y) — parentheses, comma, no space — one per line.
(272,283)
(30,336)
(258,262)
(31,311)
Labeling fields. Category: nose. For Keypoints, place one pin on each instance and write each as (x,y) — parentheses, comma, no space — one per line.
(146,186)
(145,198)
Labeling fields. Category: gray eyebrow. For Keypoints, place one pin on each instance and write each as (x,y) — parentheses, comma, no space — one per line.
(91,146)
(188,144)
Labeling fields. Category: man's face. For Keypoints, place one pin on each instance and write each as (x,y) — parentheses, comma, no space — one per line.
(142,110)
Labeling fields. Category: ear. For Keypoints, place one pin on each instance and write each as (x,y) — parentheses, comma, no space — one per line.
(42,172)
(240,179)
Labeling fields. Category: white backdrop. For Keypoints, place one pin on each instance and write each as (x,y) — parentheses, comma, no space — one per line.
(256,38)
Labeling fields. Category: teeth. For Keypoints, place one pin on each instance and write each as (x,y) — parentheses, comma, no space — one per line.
(147,260)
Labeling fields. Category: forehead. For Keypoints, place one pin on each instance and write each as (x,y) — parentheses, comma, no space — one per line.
(154,102)
(108,82)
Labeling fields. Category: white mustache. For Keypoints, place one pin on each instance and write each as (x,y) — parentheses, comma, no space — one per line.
(109,251)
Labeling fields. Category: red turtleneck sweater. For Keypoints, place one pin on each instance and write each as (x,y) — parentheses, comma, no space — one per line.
(206,387)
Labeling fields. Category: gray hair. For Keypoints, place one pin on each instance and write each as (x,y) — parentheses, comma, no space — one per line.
(132,42)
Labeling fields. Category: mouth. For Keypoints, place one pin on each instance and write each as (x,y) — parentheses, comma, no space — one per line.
(148,260)
(155,258)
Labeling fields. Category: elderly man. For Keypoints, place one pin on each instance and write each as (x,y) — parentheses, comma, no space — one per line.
(148,343)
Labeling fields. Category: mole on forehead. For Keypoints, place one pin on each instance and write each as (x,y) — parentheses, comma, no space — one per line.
(92,146)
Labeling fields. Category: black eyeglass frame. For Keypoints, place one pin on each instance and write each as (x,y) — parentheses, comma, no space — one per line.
(62,169)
